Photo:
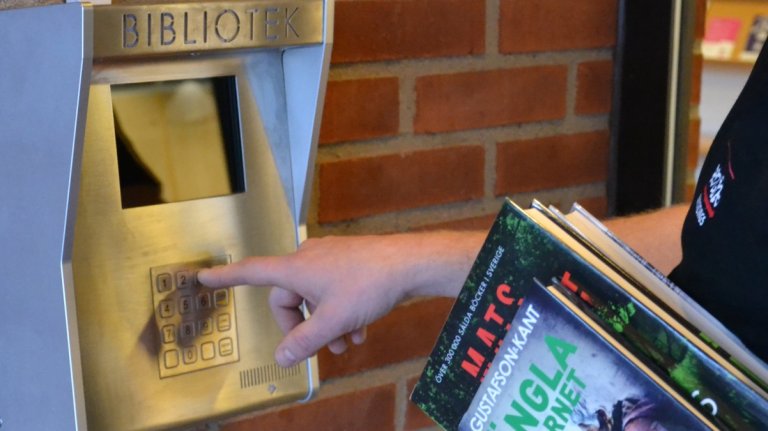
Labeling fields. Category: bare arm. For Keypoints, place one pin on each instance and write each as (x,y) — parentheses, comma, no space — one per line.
(655,235)
(349,282)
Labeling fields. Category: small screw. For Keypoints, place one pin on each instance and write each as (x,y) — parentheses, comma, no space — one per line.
(272,389)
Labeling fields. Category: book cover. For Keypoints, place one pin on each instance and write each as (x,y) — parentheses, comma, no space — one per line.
(720,38)
(517,250)
(480,317)
(579,222)
(758,33)
(698,370)
(555,370)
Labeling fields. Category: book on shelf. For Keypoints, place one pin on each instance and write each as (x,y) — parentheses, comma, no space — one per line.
(542,244)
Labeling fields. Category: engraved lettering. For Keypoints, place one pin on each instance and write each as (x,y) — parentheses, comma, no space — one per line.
(221,15)
(167,29)
(187,40)
(149,29)
(209,27)
(252,20)
(205,27)
(288,24)
(129,31)
(270,23)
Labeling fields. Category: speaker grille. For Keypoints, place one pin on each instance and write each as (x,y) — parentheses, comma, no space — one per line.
(267,374)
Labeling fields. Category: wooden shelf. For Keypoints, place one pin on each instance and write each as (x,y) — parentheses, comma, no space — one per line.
(735,31)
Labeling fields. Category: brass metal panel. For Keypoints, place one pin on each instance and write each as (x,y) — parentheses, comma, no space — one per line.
(165,29)
(115,248)
(197,325)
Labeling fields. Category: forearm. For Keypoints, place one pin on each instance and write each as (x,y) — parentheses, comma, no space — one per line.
(654,235)
(350,282)
(439,262)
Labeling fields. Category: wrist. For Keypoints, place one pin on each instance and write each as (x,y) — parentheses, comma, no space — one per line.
(438,262)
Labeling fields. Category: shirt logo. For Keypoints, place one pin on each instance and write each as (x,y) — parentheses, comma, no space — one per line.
(708,201)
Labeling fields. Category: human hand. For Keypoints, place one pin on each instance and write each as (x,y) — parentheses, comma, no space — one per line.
(347,283)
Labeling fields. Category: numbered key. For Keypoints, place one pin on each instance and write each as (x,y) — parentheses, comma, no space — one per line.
(163,282)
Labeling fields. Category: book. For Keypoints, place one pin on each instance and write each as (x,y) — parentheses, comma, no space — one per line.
(557,370)
(585,227)
(658,334)
(524,245)
(720,38)
(756,37)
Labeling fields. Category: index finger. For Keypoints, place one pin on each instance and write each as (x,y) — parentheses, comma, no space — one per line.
(252,271)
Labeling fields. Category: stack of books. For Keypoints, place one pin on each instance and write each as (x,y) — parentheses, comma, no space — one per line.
(561,326)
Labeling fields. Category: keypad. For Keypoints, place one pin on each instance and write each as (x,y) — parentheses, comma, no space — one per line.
(197,325)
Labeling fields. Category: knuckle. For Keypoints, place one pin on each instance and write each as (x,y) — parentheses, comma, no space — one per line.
(303,343)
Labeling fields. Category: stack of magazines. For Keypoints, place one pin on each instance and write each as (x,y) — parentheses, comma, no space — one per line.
(561,326)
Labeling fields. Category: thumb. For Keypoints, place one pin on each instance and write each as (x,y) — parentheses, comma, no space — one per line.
(308,337)
(251,270)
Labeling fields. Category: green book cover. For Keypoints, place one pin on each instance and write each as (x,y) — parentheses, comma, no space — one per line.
(516,251)
(556,371)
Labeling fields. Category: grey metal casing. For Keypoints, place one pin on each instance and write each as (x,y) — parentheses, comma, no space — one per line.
(44,72)
(77,305)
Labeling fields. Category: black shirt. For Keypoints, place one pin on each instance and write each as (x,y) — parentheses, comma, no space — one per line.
(725,236)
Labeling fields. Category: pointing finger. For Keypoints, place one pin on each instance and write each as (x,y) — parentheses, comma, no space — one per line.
(255,271)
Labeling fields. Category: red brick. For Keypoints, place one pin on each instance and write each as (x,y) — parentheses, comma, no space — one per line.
(415,418)
(697,65)
(402,29)
(473,223)
(375,185)
(552,162)
(408,332)
(594,87)
(473,100)
(597,206)
(349,113)
(371,409)
(555,25)
(701,19)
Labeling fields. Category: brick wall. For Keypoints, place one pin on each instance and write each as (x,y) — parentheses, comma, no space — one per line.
(436,110)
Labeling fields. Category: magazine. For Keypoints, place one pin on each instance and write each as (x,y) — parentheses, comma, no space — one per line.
(590,230)
(522,246)
(556,370)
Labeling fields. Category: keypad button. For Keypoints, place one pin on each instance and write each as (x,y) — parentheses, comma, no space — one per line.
(169,333)
(185,304)
(203,300)
(206,326)
(166,308)
(208,351)
(163,282)
(187,330)
(171,358)
(221,298)
(184,279)
(226,347)
(224,322)
(196,325)
(190,355)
